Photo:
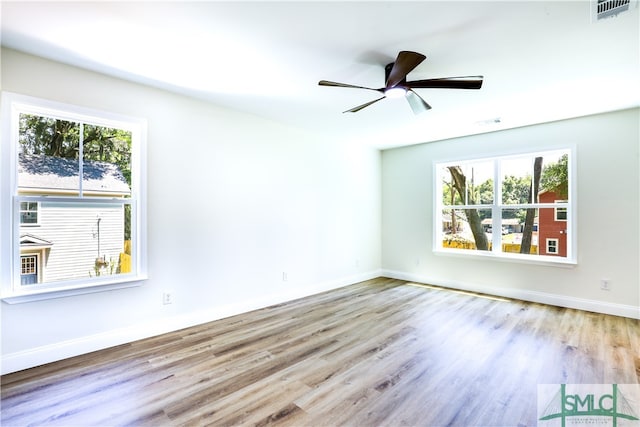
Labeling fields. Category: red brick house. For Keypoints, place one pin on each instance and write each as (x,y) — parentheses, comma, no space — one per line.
(552,226)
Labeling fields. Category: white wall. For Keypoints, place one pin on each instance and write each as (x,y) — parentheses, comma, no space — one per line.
(233,202)
(608,192)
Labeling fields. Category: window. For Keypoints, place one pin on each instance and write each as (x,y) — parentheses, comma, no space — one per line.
(76,174)
(506,207)
(28,213)
(561,213)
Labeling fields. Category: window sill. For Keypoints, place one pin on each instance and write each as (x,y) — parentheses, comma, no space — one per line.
(549,261)
(42,293)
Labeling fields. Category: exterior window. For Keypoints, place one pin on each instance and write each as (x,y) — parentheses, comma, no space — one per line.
(506,207)
(29,213)
(552,246)
(561,213)
(79,180)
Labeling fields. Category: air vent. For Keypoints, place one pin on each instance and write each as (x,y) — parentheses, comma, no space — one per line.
(603,9)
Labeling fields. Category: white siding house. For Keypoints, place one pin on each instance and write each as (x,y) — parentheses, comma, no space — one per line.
(61,240)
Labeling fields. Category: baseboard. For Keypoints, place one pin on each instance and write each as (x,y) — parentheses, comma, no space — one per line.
(30,358)
(623,310)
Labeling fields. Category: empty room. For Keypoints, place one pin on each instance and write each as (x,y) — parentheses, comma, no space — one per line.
(320,213)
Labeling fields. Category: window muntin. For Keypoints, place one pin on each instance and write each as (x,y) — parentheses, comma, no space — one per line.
(77,172)
(515,223)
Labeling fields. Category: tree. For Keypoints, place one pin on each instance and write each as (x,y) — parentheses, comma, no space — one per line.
(475,222)
(555,177)
(48,136)
(527,232)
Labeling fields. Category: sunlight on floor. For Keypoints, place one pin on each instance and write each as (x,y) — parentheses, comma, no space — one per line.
(474,294)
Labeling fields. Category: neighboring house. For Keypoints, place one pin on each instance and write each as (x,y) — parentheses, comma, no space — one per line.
(553,226)
(62,241)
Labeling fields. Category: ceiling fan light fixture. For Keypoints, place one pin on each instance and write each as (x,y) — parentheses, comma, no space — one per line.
(395,92)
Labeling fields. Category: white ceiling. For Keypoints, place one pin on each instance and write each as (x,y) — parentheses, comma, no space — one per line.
(541,60)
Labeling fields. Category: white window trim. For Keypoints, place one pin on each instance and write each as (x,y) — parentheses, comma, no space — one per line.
(495,255)
(10,289)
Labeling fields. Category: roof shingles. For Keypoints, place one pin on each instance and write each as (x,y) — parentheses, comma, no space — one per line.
(60,174)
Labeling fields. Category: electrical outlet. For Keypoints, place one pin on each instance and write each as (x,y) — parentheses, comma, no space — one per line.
(605,284)
(167,298)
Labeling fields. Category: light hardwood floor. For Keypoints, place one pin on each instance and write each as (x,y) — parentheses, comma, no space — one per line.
(378,353)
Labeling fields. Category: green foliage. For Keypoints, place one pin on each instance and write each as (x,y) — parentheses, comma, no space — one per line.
(555,177)
(484,192)
(48,136)
(515,190)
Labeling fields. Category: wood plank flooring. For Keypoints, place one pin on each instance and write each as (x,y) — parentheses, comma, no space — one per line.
(379,353)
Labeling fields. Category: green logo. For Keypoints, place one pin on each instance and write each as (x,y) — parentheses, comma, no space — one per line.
(591,404)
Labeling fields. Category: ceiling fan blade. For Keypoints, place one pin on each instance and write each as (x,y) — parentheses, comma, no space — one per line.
(360,107)
(335,84)
(417,104)
(405,63)
(467,82)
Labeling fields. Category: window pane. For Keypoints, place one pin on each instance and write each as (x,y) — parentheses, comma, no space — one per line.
(554,183)
(466,229)
(48,155)
(517,180)
(551,169)
(469,183)
(106,161)
(550,230)
(519,231)
(546,235)
(81,240)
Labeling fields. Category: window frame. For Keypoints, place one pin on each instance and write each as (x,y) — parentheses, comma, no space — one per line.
(497,206)
(11,290)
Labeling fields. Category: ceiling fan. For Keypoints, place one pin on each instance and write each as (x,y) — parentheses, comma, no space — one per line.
(396,84)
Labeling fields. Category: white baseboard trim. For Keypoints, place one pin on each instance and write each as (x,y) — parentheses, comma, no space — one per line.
(30,358)
(623,310)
